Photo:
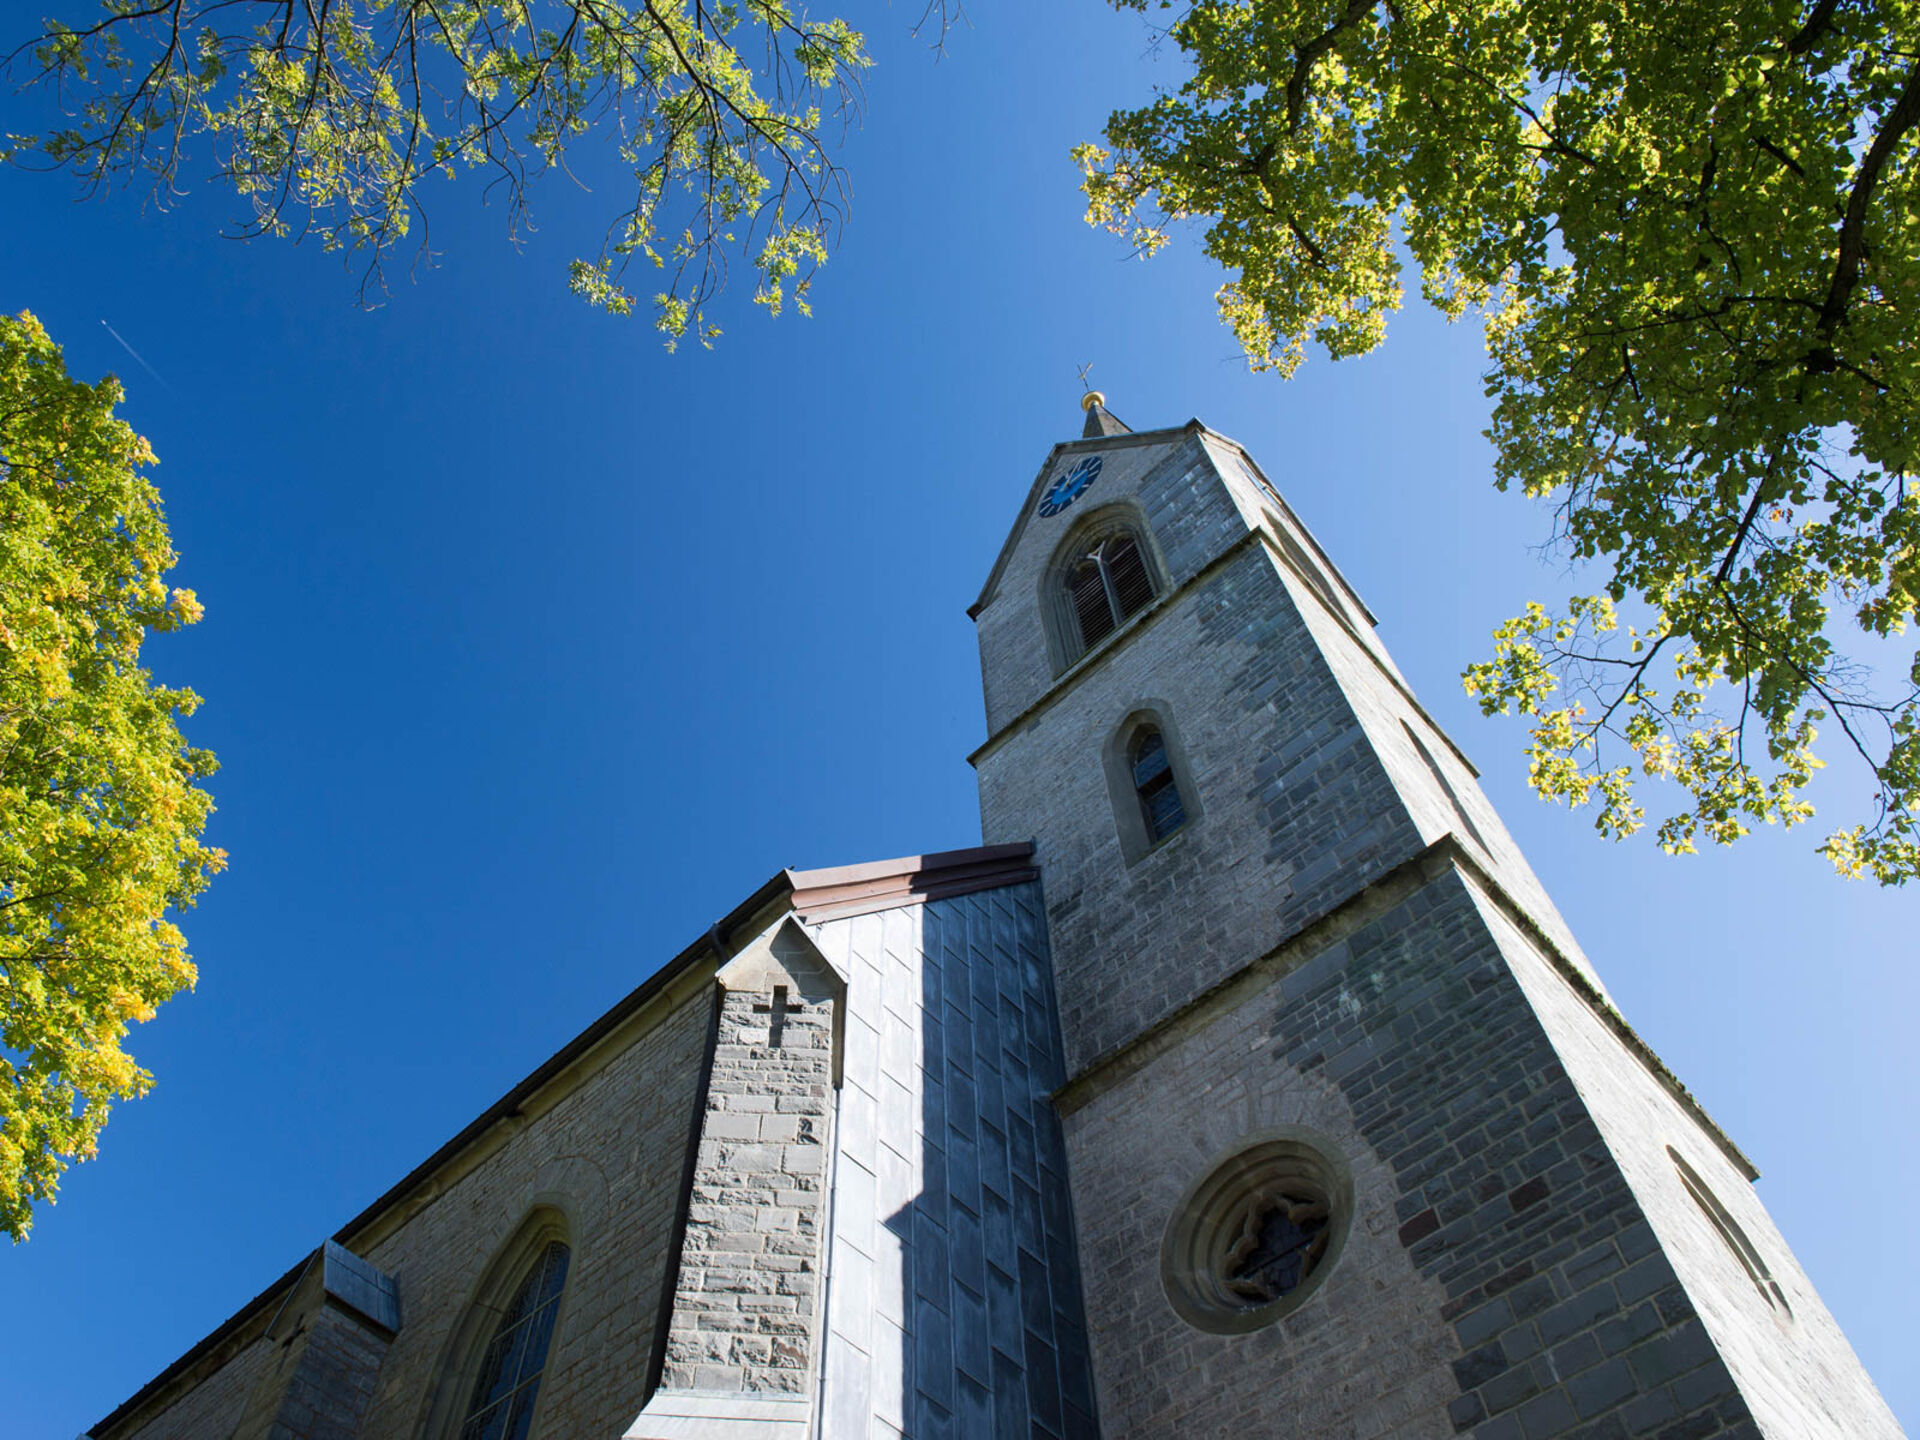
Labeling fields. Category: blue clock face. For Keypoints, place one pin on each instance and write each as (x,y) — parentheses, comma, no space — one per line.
(1070,486)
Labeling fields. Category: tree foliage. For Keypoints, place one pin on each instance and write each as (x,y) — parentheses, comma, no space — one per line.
(329,117)
(1691,232)
(100,818)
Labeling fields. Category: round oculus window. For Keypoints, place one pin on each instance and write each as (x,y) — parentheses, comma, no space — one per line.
(1258,1233)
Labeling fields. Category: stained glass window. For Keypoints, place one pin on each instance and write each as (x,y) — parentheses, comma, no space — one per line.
(1280,1242)
(509,1381)
(1153,782)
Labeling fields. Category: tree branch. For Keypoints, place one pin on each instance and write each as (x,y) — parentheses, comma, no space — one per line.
(1314,252)
(1853,241)
(1819,21)
(1306,56)
(1746,520)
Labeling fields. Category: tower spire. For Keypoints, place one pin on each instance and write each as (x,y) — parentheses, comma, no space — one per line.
(1100,420)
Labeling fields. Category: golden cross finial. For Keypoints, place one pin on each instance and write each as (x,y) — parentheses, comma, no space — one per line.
(1093,397)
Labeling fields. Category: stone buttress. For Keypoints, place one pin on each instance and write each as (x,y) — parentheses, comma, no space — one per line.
(879,1240)
(742,1338)
(327,1342)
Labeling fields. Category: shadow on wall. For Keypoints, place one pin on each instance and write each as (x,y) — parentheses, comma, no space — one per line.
(954,1257)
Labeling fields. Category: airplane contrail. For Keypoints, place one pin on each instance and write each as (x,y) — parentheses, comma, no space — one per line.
(136,354)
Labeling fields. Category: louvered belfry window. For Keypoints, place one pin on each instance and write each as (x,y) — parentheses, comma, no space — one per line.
(1106,585)
(1153,782)
(509,1381)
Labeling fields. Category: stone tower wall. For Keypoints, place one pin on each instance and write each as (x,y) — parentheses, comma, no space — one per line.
(1303,744)
(1257,497)
(1166,479)
(1344,937)
(1500,1276)
(1431,778)
(1435,781)
(1793,1364)
(1294,808)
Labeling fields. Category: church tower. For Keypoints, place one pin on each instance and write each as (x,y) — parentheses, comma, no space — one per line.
(1358,1144)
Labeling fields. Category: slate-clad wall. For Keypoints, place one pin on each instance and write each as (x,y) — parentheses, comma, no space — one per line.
(953,1297)
(1489,1206)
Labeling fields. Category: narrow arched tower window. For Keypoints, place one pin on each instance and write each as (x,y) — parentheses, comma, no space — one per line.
(509,1379)
(1106,584)
(1153,782)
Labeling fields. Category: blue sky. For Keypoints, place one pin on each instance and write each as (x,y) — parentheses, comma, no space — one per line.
(532,649)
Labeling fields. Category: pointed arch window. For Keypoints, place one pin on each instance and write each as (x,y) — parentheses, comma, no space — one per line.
(501,1406)
(1108,581)
(1149,780)
(1155,785)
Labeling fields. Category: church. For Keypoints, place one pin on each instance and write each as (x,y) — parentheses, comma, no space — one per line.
(1244,1082)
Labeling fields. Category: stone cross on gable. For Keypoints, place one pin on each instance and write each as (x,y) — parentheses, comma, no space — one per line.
(778,1010)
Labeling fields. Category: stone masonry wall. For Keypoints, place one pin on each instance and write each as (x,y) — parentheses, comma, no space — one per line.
(1188,513)
(610,1156)
(1296,810)
(1368,1358)
(322,1383)
(1410,1041)
(1443,796)
(217,1405)
(1794,1366)
(1449,801)
(1543,1243)
(1301,681)
(1258,499)
(746,1302)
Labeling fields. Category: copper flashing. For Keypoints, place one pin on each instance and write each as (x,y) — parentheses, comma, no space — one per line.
(910,880)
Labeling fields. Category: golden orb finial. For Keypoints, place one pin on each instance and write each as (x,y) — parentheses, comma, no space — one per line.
(1091,399)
